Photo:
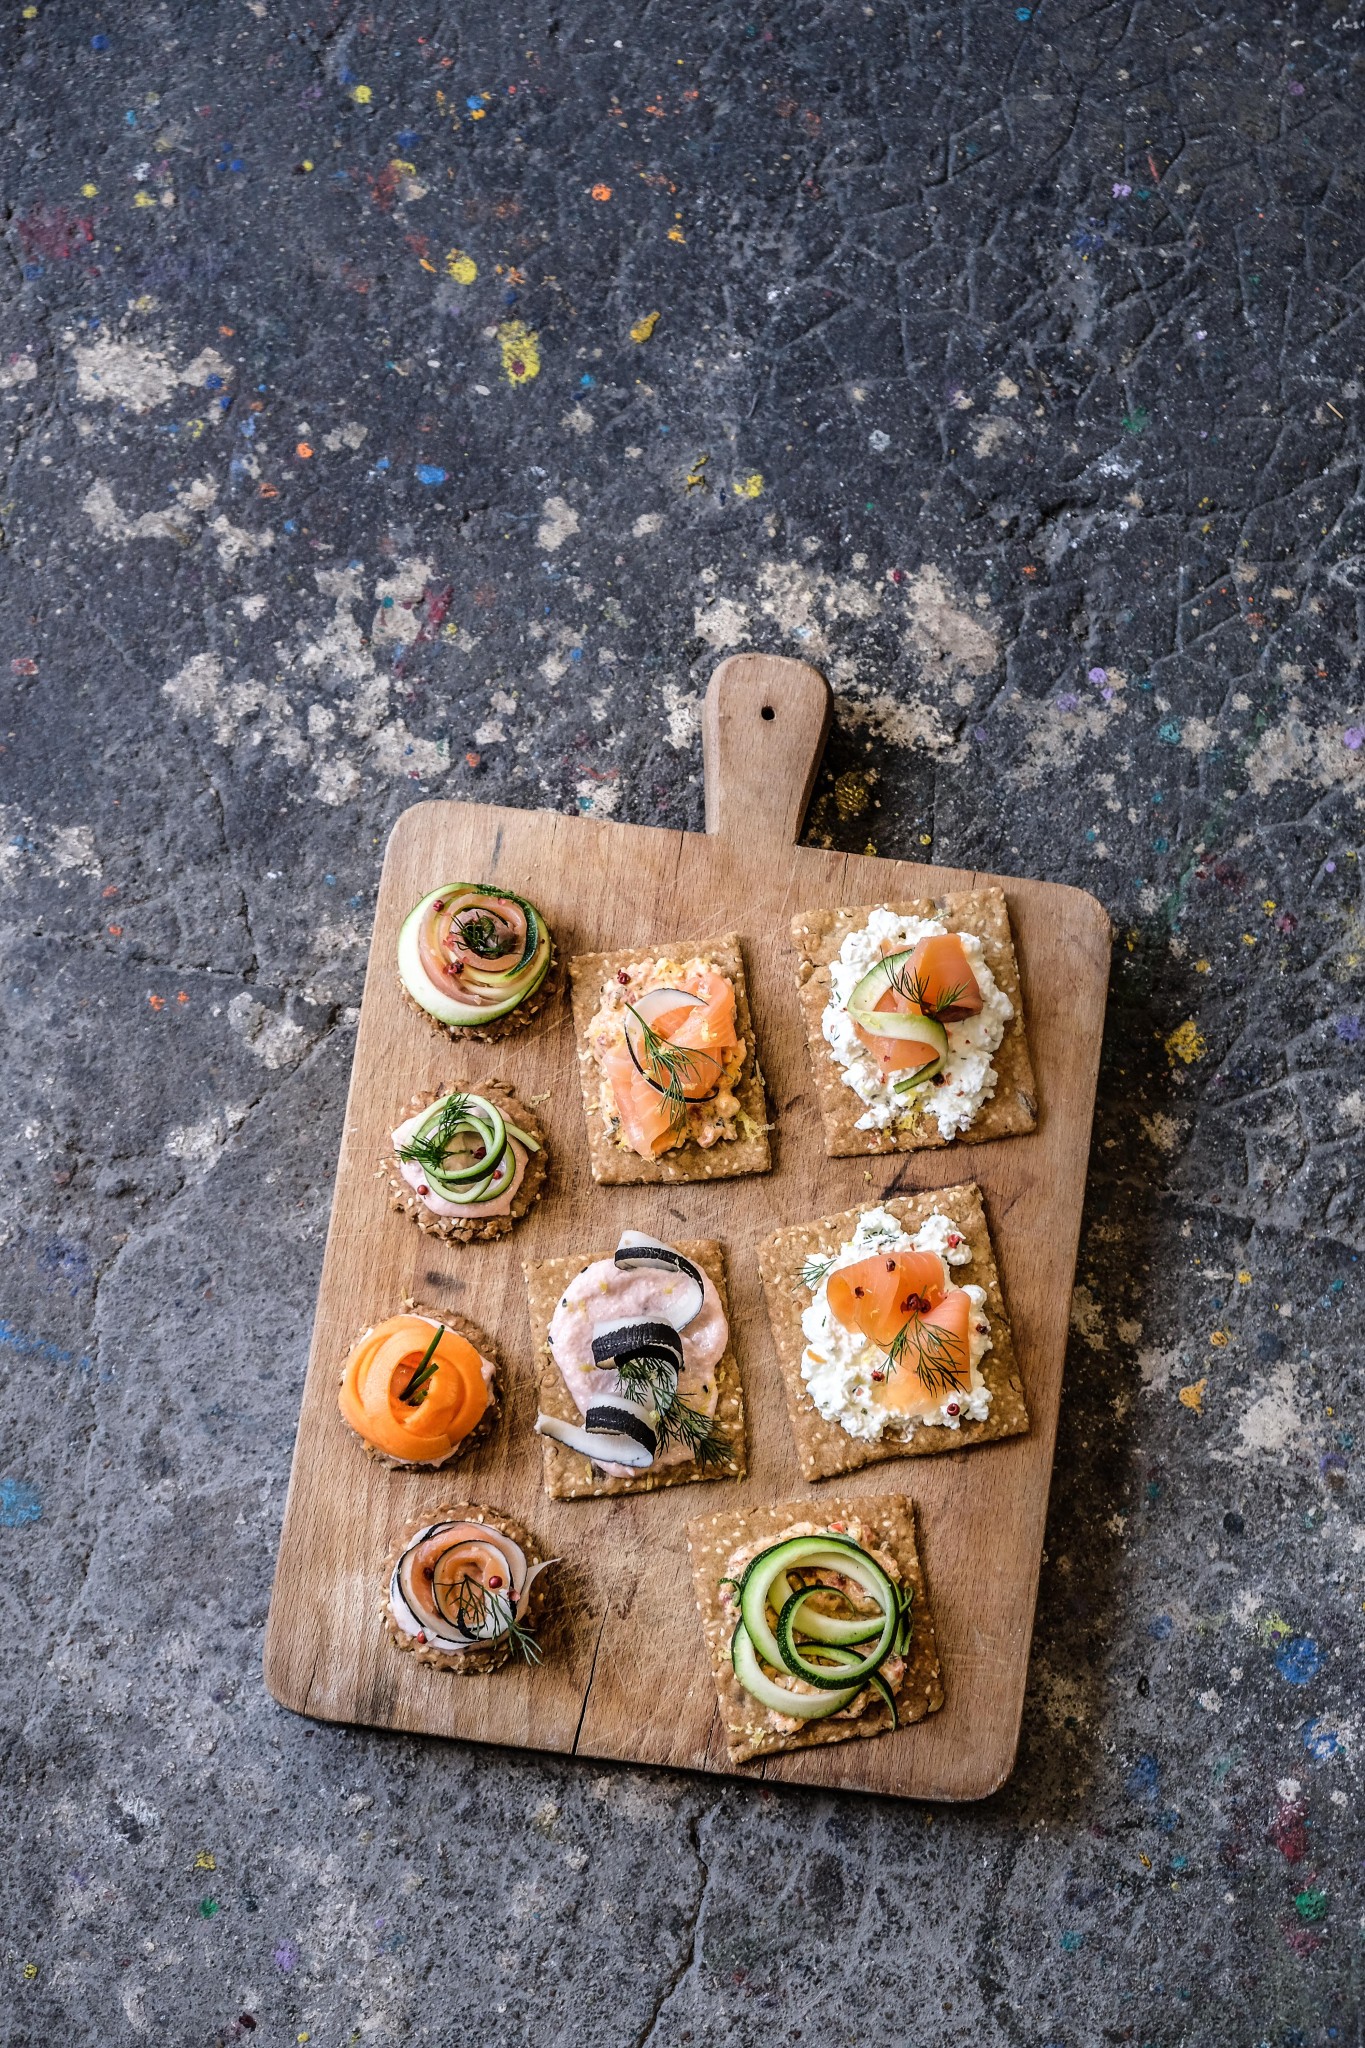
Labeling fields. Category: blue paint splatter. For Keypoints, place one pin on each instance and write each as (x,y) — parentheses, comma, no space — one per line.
(20,1502)
(287,1956)
(1170,732)
(428,473)
(1299,1660)
(1320,1741)
(1144,1778)
(1159,1627)
(1348,1030)
(26,1345)
(1071,1941)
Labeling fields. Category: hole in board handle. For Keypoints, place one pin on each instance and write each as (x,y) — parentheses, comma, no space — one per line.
(768,711)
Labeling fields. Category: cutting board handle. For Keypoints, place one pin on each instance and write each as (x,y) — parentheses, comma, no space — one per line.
(763,731)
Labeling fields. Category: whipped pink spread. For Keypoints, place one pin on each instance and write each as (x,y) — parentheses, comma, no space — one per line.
(438,1205)
(605,1292)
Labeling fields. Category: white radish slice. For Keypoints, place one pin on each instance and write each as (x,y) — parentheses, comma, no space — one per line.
(637,1252)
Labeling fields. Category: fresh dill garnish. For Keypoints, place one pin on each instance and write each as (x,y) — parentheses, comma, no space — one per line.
(816,1270)
(929,1353)
(416,1389)
(430,1152)
(677,1062)
(476,1605)
(654,1385)
(479,931)
(915,989)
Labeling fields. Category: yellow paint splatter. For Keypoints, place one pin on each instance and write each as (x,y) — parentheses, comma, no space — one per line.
(676,235)
(1192,1397)
(1268,905)
(1186,1043)
(1244,1278)
(749,486)
(926,838)
(462,268)
(520,351)
(205,1860)
(695,480)
(1273,1628)
(30,1969)
(143,198)
(643,328)
(362,95)
(850,795)
(89,190)
(1248,939)
(307,164)
(402,166)
(1218,1337)
(1202,967)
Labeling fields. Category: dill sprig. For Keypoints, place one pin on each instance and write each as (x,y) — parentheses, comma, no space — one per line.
(430,1152)
(651,1384)
(415,1391)
(915,989)
(934,1361)
(476,1605)
(479,931)
(677,1062)
(816,1270)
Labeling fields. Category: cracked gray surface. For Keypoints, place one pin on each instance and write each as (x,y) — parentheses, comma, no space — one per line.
(1024,357)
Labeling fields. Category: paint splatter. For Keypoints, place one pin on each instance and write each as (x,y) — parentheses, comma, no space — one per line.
(1144,1780)
(601,193)
(750,486)
(287,1956)
(644,327)
(20,1502)
(1299,1660)
(462,268)
(1186,1043)
(429,473)
(1192,1397)
(1321,1741)
(520,351)
(1311,1904)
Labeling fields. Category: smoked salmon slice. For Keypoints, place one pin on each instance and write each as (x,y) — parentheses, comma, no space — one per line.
(940,979)
(878,1295)
(642,1074)
(933,1363)
(896,1055)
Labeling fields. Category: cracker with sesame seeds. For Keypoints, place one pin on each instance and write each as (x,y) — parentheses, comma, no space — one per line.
(614,1164)
(824,1447)
(817,936)
(569,1475)
(889,1520)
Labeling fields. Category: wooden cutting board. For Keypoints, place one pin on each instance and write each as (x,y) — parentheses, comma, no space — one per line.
(625,1674)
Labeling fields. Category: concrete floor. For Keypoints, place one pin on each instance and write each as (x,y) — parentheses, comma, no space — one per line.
(1007,364)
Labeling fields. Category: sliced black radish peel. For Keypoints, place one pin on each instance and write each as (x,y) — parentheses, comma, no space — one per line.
(658,1343)
(639,1253)
(612,1433)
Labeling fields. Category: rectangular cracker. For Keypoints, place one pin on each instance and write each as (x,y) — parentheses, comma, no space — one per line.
(713,1539)
(824,1448)
(615,1165)
(817,936)
(568,1475)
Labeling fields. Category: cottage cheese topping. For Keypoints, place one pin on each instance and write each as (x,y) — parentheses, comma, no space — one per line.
(837,1363)
(968,1078)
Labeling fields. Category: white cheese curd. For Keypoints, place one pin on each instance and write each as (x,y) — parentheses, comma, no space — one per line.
(837,1363)
(968,1076)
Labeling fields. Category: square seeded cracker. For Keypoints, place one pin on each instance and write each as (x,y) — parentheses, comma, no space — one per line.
(615,1165)
(569,1475)
(817,936)
(824,1448)
(713,1539)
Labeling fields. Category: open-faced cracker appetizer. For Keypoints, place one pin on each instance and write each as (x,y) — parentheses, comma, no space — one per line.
(639,1387)
(891,1332)
(914,1023)
(466,1166)
(817,1621)
(460,1591)
(420,1389)
(672,1087)
(477,962)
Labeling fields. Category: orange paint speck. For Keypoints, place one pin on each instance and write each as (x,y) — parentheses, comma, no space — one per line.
(602,193)
(157,1002)
(116,931)
(303,451)
(181,997)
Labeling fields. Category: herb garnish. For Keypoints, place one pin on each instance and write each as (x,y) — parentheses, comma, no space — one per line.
(934,1362)
(816,1270)
(476,1605)
(915,988)
(479,932)
(415,1392)
(430,1153)
(662,1057)
(654,1385)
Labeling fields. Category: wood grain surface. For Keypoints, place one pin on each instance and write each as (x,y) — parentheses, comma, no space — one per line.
(626,1672)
